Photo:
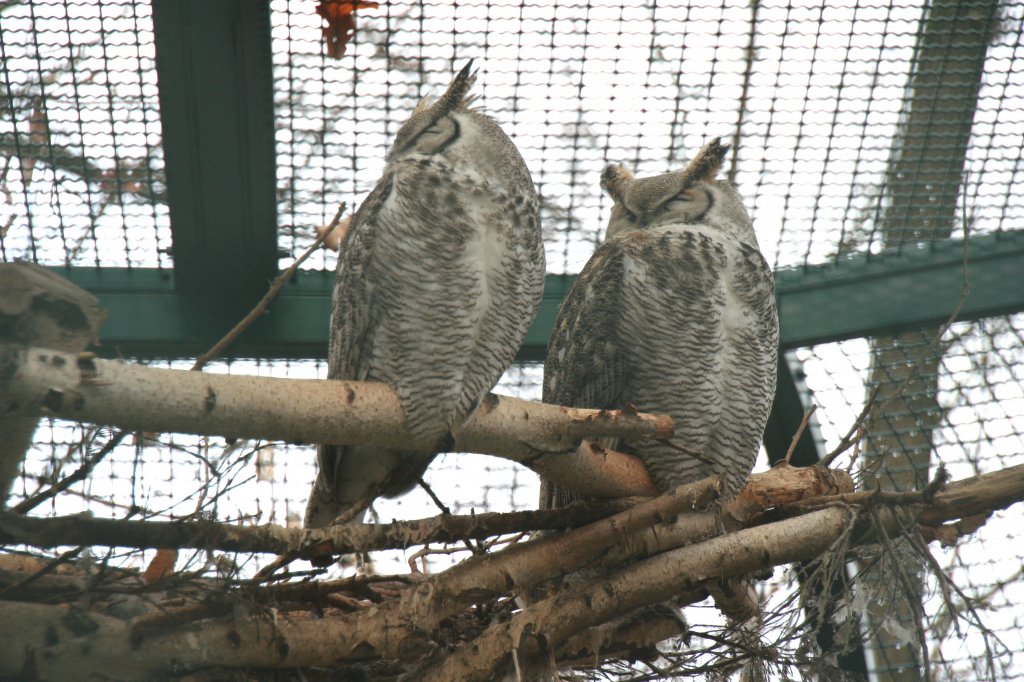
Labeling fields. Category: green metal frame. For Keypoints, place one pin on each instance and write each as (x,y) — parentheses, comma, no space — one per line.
(856,297)
(215,73)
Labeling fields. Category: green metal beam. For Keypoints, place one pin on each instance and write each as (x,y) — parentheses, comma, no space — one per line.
(855,297)
(215,73)
(909,288)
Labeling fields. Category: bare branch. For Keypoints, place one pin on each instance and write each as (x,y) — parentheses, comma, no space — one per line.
(297,542)
(960,500)
(799,432)
(268,298)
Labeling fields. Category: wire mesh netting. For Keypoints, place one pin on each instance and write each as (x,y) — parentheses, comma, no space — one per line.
(80,130)
(813,97)
(853,131)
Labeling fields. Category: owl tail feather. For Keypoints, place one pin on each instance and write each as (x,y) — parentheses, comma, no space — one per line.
(324,509)
(351,478)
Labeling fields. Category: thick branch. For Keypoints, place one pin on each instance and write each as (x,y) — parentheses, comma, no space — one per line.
(49,642)
(961,499)
(972,496)
(655,580)
(134,397)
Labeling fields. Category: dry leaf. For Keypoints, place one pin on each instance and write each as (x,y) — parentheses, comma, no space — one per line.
(333,241)
(161,566)
(341,23)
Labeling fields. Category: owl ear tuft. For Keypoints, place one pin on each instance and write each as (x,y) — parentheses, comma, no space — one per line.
(422,105)
(706,164)
(457,96)
(615,179)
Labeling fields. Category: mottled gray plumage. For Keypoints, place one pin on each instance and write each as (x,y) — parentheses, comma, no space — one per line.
(674,313)
(439,276)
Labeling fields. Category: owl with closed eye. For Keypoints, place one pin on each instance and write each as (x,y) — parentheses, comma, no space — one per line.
(438,278)
(675,314)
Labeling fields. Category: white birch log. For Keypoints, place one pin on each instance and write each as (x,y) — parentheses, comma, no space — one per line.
(546,438)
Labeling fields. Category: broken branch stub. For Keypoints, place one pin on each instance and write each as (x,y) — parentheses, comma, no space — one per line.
(36,307)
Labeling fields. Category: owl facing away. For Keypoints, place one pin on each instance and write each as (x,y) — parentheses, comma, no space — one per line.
(439,277)
(674,313)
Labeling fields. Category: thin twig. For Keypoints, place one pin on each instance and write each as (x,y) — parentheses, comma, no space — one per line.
(968,602)
(261,307)
(912,598)
(433,496)
(51,566)
(851,436)
(79,474)
(689,452)
(799,432)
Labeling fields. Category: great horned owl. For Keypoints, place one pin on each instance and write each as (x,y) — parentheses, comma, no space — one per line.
(438,279)
(674,313)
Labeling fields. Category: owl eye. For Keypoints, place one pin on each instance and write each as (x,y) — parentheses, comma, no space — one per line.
(439,135)
(684,197)
(435,129)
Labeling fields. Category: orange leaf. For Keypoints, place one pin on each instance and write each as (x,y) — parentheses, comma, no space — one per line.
(161,566)
(341,24)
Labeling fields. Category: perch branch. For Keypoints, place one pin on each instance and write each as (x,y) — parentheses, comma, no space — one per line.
(134,397)
(48,640)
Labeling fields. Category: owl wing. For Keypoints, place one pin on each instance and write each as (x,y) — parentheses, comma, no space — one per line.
(353,315)
(500,277)
(427,299)
(349,356)
(586,363)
